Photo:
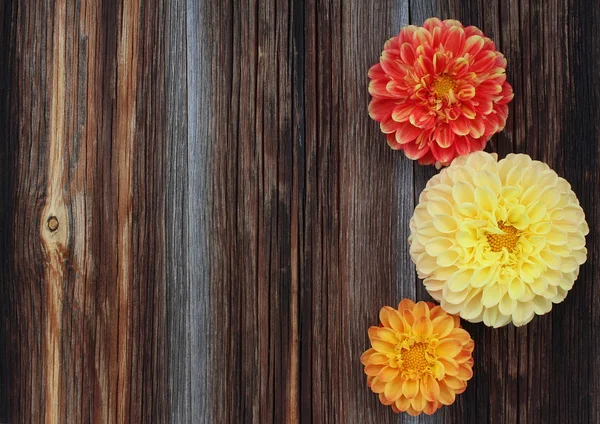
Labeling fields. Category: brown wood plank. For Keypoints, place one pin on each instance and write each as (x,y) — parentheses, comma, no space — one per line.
(201,221)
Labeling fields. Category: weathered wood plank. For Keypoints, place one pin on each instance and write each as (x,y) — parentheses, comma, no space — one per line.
(201,220)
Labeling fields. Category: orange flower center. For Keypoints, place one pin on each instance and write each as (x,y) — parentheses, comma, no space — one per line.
(414,358)
(442,86)
(509,239)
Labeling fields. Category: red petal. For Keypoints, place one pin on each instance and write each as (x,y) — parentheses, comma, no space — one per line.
(407,53)
(402,111)
(460,126)
(381,109)
(407,132)
(444,136)
(483,61)
(444,155)
(453,40)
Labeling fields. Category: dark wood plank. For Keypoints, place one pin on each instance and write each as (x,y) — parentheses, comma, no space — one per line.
(229,220)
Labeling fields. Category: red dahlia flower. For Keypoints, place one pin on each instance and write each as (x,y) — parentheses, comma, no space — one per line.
(439,91)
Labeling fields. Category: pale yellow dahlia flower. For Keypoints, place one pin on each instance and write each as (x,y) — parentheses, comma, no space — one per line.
(420,358)
(498,241)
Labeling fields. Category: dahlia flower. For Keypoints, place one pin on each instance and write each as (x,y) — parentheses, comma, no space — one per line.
(439,91)
(498,241)
(420,358)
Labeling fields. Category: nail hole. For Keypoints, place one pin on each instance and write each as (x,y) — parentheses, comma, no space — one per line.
(52,223)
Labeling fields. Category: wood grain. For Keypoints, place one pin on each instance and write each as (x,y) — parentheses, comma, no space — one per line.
(200,220)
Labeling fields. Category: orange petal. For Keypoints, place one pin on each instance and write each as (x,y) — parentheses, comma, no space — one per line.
(406,304)
(373,332)
(421,309)
(388,335)
(454,383)
(395,320)
(378,358)
(382,347)
(442,326)
(393,390)
(418,402)
(465,373)
(423,327)
(447,348)
(410,388)
(447,395)
(373,370)
(402,403)
(377,385)
(388,373)
(430,388)
(383,316)
(461,335)
(366,357)
(431,407)
(450,366)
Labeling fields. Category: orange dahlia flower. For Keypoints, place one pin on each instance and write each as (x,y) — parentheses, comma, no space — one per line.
(420,357)
(439,91)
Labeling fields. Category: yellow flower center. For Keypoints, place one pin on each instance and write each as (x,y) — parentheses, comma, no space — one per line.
(509,239)
(413,359)
(442,86)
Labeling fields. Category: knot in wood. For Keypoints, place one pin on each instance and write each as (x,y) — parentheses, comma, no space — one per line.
(53,223)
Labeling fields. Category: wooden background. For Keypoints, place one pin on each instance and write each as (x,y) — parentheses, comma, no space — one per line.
(230,220)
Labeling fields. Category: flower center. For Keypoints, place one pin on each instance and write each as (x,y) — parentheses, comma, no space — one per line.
(509,239)
(442,86)
(414,358)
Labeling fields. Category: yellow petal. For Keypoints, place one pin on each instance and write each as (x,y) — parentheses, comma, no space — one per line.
(491,295)
(516,288)
(488,179)
(445,223)
(438,245)
(460,280)
(466,239)
(377,385)
(410,388)
(507,305)
(448,258)
(485,198)
(439,206)
(536,212)
(468,209)
(482,276)
(463,192)
(551,259)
